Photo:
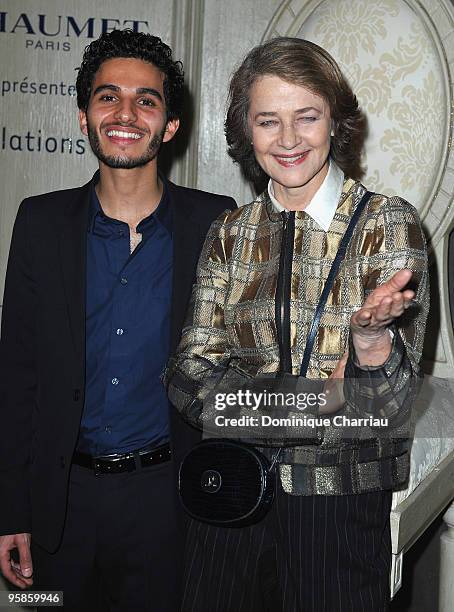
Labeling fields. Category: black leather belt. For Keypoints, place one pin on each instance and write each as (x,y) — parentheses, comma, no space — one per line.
(115,464)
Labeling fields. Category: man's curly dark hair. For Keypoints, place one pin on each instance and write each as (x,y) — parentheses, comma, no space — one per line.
(126,43)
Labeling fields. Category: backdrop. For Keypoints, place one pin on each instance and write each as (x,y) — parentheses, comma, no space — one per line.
(397,54)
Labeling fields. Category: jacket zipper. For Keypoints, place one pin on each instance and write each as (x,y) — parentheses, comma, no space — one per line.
(283,286)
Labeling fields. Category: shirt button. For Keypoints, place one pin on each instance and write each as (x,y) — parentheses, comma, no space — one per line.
(115,381)
(120,331)
(124,281)
(108,429)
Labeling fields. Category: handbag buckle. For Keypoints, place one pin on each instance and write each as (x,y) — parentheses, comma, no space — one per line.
(211,481)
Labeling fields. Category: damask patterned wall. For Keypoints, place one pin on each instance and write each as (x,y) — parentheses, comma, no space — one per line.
(395,55)
(398,78)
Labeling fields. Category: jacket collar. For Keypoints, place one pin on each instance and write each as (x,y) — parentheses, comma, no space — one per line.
(323,205)
(349,186)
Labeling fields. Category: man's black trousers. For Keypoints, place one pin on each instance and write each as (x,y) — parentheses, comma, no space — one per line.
(118,551)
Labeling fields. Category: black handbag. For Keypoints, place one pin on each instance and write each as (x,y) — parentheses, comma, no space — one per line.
(226,483)
(231,484)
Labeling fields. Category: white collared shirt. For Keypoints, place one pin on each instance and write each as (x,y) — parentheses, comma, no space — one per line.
(323,205)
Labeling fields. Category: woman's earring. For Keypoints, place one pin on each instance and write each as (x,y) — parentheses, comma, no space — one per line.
(332,133)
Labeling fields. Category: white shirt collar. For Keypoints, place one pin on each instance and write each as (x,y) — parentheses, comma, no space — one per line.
(322,207)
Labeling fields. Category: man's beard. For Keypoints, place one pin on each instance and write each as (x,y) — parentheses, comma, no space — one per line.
(117,161)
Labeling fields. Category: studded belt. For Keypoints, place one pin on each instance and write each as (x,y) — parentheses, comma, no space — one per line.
(127,462)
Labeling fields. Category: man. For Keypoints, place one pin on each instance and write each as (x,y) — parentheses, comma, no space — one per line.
(96,291)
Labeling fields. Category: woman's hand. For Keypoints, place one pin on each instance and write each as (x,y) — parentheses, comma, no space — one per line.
(334,389)
(369,325)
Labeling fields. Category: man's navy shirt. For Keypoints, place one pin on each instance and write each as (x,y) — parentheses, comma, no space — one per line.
(127,332)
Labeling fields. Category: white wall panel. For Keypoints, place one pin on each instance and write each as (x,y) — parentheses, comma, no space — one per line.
(231,29)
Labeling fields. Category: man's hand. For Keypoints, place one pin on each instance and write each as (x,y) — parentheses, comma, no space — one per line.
(371,338)
(19,574)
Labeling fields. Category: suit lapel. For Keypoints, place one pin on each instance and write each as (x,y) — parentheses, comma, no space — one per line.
(186,246)
(73,240)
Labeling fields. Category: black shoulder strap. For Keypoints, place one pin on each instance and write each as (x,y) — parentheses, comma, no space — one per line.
(330,280)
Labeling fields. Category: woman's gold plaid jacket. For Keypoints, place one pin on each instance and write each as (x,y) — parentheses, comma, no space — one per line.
(232,319)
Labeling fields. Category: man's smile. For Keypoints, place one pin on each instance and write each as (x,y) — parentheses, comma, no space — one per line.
(120,134)
(123,135)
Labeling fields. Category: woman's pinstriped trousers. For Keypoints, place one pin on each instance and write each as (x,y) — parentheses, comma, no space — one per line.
(311,554)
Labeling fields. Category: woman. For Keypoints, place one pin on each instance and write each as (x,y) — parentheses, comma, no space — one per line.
(325,545)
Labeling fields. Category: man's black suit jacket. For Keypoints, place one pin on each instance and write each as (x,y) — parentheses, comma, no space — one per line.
(42,354)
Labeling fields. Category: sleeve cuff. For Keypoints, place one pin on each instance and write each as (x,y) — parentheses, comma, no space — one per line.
(389,367)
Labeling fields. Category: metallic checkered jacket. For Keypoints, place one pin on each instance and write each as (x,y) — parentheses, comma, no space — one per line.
(258,285)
